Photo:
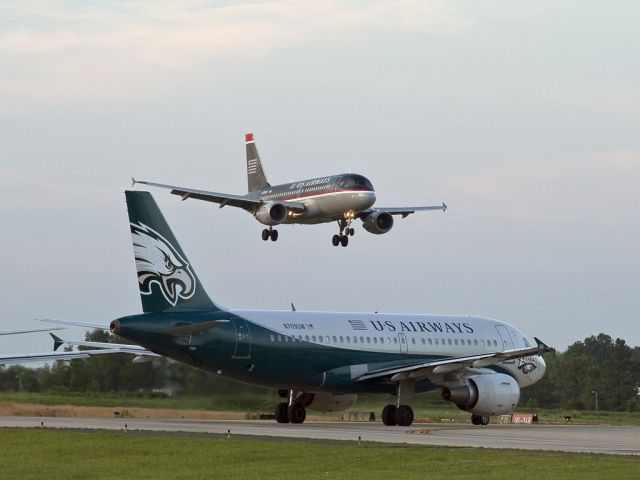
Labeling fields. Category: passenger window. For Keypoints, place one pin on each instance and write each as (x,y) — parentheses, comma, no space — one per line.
(348,339)
(306,337)
(435,341)
(375,340)
(475,342)
(279,338)
(395,340)
(456,341)
(368,339)
(335,340)
(449,341)
(430,342)
(341,339)
(361,340)
(272,338)
(313,338)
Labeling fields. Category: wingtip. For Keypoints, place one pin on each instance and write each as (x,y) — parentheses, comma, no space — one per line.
(133,181)
(543,347)
(444,207)
(248,137)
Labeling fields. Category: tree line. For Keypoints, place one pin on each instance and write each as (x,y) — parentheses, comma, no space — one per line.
(598,365)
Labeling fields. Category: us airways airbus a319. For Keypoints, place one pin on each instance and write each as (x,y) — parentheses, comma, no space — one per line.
(316,360)
(341,198)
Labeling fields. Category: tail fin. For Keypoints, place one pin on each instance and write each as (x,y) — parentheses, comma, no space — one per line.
(255,174)
(166,280)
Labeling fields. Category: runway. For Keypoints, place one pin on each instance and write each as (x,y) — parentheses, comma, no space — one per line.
(556,438)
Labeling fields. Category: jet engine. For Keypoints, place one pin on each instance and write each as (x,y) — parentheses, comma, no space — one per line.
(487,395)
(378,222)
(328,402)
(271,213)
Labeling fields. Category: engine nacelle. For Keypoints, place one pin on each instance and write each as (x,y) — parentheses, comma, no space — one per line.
(378,223)
(487,395)
(271,213)
(328,402)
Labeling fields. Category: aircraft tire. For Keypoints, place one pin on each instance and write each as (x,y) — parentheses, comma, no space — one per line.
(282,414)
(404,415)
(297,413)
(265,234)
(389,415)
(344,240)
(351,232)
(274,235)
(335,240)
(484,420)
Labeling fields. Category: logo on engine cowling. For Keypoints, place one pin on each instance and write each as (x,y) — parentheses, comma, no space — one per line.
(527,364)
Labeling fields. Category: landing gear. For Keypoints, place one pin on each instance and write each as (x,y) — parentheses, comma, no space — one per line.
(389,415)
(269,233)
(294,410)
(282,414)
(297,413)
(346,231)
(480,420)
(401,415)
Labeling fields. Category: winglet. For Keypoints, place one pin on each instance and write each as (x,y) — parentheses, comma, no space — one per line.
(293,307)
(444,207)
(57,341)
(133,181)
(542,347)
(248,137)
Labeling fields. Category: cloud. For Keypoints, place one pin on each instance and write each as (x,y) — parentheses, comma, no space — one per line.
(55,55)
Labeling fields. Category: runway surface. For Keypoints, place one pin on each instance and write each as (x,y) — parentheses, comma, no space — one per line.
(561,438)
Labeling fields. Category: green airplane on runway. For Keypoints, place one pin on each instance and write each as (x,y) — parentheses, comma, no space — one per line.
(317,360)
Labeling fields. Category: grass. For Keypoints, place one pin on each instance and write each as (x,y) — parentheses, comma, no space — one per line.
(426,407)
(46,454)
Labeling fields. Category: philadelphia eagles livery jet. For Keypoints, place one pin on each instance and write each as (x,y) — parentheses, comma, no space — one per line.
(319,360)
(341,198)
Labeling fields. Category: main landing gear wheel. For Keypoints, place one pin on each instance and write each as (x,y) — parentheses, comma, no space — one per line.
(282,414)
(389,415)
(340,240)
(269,233)
(480,420)
(297,413)
(404,415)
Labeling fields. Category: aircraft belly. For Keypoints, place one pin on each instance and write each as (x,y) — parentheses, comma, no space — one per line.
(333,207)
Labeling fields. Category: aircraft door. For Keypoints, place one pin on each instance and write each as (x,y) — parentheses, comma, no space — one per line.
(507,343)
(243,338)
(402,340)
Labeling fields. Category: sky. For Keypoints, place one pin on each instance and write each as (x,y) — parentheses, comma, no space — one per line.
(524,117)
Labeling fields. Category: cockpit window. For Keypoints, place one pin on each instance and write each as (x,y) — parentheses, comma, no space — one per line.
(358,182)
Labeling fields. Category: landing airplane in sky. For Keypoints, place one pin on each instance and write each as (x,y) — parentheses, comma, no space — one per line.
(341,198)
(320,360)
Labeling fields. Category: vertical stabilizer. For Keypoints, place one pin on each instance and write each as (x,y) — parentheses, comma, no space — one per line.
(166,280)
(255,174)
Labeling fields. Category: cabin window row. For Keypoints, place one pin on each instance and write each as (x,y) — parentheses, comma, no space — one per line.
(381,340)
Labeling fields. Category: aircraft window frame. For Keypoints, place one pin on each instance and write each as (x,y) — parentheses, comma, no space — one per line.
(313,338)
(286,338)
(361,340)
(306,338)
(335,340)
(355,339)
(395,340)
(341,339)
(475,342)
(456,342)
(368,340)
(279,338)
(272,337)
(319,338)
(348,339)
(413,340)
(375,340)
(449,341)
(381,340)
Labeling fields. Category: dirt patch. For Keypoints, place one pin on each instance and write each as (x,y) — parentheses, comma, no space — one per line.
(35,410)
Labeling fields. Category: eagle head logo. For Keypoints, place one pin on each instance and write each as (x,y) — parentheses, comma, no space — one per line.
(157,261)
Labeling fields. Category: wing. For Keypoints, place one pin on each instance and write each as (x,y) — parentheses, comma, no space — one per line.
(28,330)
(97,326)
(251,204)
(422,370)
(404,211)
(48,356)
(120,347)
